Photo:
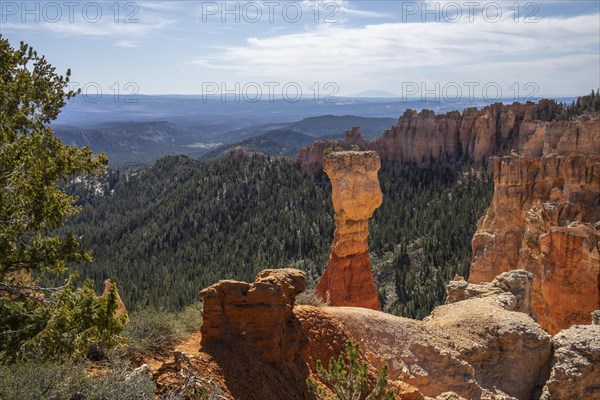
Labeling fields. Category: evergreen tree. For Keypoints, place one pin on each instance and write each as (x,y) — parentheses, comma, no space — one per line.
(32,163)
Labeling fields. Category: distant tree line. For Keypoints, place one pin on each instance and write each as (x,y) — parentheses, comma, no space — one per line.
(566,112)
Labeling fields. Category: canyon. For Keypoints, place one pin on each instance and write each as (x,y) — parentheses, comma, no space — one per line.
(545,213)
(525,325)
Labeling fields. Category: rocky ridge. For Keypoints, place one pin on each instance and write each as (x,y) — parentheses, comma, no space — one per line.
(480,345)
(471,136)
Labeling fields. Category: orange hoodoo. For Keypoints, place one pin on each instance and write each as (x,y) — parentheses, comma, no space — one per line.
(348,279)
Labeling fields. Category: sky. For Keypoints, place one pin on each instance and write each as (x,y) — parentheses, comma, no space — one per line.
(306,48)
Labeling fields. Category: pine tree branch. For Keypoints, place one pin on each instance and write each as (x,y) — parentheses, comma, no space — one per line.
(35,288)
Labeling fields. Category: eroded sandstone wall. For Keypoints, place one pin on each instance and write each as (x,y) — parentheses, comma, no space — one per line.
(471,136)
(545,218)
(481,347)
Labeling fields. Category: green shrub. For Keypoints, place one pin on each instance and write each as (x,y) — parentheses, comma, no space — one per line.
(348,378)
(150,331)
(46,380)
(310,298)
(121,383)
(73,323)
(191,317)
(34,380)
(153,331)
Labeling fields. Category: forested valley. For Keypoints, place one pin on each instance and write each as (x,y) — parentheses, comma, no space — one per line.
(165,232)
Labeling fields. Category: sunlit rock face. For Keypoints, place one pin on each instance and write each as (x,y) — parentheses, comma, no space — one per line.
(544,218)
(575,370)
(471,136)
(480,345)
(348,278)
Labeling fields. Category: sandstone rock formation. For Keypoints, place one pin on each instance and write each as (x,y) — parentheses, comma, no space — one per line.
(326,336)
(422,137)
(348,278)
(327,339)
(480,345)
(544,219)
(254,347)
(575,365)
(473,136)
(511,289)
(257,316)
(311,157)
(478,348)
(121,310)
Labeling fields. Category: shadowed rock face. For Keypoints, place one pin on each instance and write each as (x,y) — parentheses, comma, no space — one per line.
(348,278)
(544,219)
(257,316)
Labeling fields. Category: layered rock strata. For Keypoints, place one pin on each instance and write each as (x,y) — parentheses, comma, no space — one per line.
(310,157)
(348,278)
(544,218)
(473,136)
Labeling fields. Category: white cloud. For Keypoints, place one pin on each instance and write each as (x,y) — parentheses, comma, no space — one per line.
(337,7)
(266,12)
(102,20)
(162,5)
(126,43)
(417,51)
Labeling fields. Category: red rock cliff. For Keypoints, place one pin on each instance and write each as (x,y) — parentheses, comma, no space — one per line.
(545,218)
(348,278)
(473,136)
